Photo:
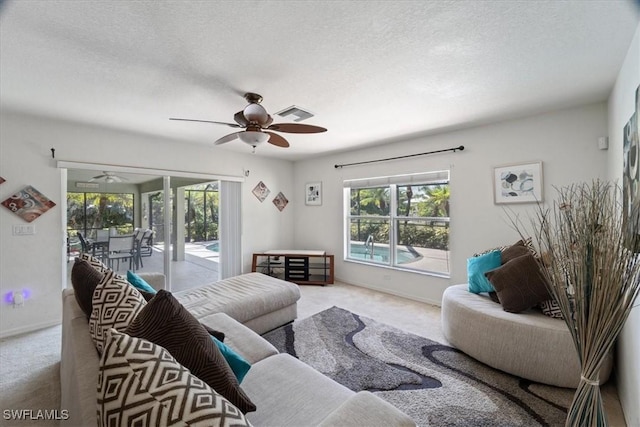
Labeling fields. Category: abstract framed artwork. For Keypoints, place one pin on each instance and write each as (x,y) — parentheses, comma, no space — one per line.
(261,191)
(280,201)
(28,203)
(313,194)
(631,172)
(518,183)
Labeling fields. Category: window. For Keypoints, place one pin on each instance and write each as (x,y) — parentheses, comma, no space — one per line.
(399,221)
(89,212)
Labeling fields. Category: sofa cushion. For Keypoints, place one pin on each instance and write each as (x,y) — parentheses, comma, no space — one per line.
(115,304)
(84,279)
(140,383)
(289,392)
(244,341)
(164,321)
(477,266)
(519,284)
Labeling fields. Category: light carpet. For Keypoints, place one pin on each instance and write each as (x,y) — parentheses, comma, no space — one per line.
(434,384)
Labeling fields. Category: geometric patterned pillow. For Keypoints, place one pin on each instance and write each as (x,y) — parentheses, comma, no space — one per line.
(95,262)
(551,308)
(141,384)
(115,304)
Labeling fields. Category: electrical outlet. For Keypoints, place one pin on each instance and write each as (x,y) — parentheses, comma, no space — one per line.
(18,299)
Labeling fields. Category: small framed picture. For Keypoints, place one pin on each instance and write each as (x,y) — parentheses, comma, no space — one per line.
(518,183)
(261,191)
(313,194)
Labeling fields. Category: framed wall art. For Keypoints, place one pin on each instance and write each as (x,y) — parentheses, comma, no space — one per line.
(28,203)
(280,201)
(631,172)
(313,194)
(261,191)
(518,183)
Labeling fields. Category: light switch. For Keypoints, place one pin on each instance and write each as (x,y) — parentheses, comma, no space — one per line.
(24,229)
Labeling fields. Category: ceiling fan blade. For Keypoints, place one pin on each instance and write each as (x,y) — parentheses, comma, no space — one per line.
(240,119)
(296,128)
(233,125)
(227,138)
(277,140)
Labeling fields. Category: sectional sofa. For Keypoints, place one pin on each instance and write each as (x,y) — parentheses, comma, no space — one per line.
(285,391)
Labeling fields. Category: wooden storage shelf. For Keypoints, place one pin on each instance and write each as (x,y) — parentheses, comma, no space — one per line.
(301,267)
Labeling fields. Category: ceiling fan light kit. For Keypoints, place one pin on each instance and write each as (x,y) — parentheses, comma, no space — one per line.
(258,127)
(253,138)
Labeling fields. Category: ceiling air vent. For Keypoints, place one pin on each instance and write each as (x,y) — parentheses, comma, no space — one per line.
(87,185)
(295,114)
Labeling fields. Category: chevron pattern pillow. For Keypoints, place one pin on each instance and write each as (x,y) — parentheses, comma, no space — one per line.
(115,304)
(141,384)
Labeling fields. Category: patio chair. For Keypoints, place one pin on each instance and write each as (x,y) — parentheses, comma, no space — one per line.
(146,243)
(122,248)
(85,244)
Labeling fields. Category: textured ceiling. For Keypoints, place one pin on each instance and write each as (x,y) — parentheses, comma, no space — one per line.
(372,72)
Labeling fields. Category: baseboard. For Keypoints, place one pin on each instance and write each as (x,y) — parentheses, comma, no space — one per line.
(27,329)
(387,291)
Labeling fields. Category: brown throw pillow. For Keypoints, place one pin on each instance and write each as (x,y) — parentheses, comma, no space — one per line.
(519,284)
(84,279)
(165,322)
(514,251)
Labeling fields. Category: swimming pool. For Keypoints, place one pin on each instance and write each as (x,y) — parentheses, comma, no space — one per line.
(214,247)
(381,254)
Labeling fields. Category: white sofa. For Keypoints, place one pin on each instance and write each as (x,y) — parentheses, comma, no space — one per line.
(286,392)
(529,345)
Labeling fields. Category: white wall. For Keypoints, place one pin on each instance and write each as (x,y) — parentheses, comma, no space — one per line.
(565,141)
(36,262)
(621,108)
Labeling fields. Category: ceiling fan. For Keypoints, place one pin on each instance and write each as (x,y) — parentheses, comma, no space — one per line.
(108,177)
(258,125)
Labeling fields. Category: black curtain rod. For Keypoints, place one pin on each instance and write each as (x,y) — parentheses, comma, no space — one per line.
(460,148)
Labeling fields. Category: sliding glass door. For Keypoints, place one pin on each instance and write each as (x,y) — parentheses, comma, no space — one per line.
(180,214)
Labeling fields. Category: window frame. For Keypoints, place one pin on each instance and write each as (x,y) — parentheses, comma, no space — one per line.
(392,183)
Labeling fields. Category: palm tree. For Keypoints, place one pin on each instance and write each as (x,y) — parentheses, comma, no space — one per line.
(439,199)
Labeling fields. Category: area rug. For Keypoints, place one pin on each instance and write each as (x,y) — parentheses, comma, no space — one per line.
(434,384)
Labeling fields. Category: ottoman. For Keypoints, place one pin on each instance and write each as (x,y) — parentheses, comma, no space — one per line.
(258,301)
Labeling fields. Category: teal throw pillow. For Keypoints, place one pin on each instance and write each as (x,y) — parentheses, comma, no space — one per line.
(238,365)
(477,266)
(139,283)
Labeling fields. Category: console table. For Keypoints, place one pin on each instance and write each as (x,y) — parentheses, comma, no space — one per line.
(302,267)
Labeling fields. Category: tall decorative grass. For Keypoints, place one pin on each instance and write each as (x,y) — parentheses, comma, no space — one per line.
(594,277)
